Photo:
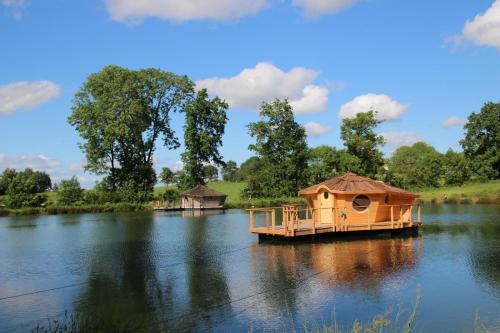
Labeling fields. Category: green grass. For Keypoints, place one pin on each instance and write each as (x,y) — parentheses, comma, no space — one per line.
(54,209)
(468,193)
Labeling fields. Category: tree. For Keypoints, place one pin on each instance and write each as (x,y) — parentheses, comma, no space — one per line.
(481,144)
(230,171)
(167,176)
(326,162)
(250,167)
(23,191)
(69,191)
(120,114)
(5,180)
(280,144)
(456,168)
(362,142)
(211,173)
(42,180)
(205,123)
(417,166)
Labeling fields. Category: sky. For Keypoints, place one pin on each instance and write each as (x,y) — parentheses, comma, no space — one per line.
(424,65)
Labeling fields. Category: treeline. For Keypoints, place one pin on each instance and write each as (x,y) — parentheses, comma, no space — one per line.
(122,114)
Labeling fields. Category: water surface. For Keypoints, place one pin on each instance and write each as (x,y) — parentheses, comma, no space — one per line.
(185,272)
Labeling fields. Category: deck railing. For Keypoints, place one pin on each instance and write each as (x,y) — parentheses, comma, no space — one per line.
(295,218)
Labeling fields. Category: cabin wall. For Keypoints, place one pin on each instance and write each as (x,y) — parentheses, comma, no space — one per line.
(379,210)
(200,203)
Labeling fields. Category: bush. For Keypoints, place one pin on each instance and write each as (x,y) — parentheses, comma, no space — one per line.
(69,191)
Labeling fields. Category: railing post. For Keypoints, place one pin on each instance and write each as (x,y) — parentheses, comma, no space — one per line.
(251,220)
(273,218)
(369,220)
(313,221)
(392,217)
(401,216)
(267,219)
(411,215)
(419,221)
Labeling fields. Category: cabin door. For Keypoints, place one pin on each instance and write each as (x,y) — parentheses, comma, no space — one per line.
(326,205)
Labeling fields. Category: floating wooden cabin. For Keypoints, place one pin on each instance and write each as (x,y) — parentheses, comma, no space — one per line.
(201,197)
(345,203)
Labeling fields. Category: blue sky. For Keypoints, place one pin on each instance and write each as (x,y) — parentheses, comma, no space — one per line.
(426,65)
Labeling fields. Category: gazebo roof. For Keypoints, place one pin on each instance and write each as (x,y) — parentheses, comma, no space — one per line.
(351,183)
(201,191)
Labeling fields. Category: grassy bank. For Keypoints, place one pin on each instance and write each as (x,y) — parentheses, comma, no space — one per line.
(53,210)
(468,193)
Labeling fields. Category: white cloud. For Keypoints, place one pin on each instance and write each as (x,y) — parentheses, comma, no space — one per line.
(14,7)
(387,108)
(313,8)
(36,162)
(25,95)
(182,10)
(484,29)
(266,82)
(395,140)
(452,121)
(316,129)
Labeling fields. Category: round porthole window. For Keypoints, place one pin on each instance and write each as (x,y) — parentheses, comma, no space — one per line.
(325,195)
(361,202)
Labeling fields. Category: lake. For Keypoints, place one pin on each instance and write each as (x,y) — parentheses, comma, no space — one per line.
(178,272)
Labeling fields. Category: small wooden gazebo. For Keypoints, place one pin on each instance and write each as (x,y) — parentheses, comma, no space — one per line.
(201,197)
(345,203)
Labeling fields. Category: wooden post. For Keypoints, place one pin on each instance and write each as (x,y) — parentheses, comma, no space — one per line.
(411,215)
(418,215)
(313,221)
(369,220)
(401,216)
(251,221)
(267,219)
(392,217)
(273,218)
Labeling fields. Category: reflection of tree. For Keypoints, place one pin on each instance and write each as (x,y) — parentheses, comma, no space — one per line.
(207,284)
(485,255)
(360,264)
(123,289)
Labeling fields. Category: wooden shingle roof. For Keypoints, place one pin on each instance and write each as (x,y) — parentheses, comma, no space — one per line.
(351,183)
(201,191)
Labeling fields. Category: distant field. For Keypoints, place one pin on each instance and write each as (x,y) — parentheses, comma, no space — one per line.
(468,193)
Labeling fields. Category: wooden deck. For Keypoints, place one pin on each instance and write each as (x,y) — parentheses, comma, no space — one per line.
(293,226)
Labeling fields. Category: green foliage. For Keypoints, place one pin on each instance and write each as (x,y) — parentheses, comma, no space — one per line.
(481,143)
(326,162)
(230,172)
(5,180)
(456,168)
(167,176)
(205,123)
(417,166)
(362,142)
(69,191)
(120,114)
(250,167)
(211,172)
(282,149)
(171,194)
(23,191)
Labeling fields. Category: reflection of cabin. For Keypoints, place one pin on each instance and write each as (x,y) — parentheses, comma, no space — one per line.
(201,197)
(345,203)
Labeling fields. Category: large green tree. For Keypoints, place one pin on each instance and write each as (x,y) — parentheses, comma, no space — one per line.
(362,142)
(481,143)
(69,191)
(205,123)
(417,166)
(230,172)
(456,170)
(24,190)
(280,144)
(5,179)
(120,114)
(326,162)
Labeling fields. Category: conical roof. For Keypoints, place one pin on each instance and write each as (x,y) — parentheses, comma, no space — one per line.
(202,191)
(351,183)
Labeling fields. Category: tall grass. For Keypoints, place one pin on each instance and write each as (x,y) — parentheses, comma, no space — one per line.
(481,193)
(77,209)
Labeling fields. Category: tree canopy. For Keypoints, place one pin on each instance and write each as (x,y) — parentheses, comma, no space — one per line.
(205,124)
(280,145)
(120,114)
(481,143)
(362,142)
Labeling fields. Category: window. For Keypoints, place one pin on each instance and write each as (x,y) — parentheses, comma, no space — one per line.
(325,195)
(361,202)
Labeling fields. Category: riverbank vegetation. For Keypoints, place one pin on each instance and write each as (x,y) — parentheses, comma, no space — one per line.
(121,116)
